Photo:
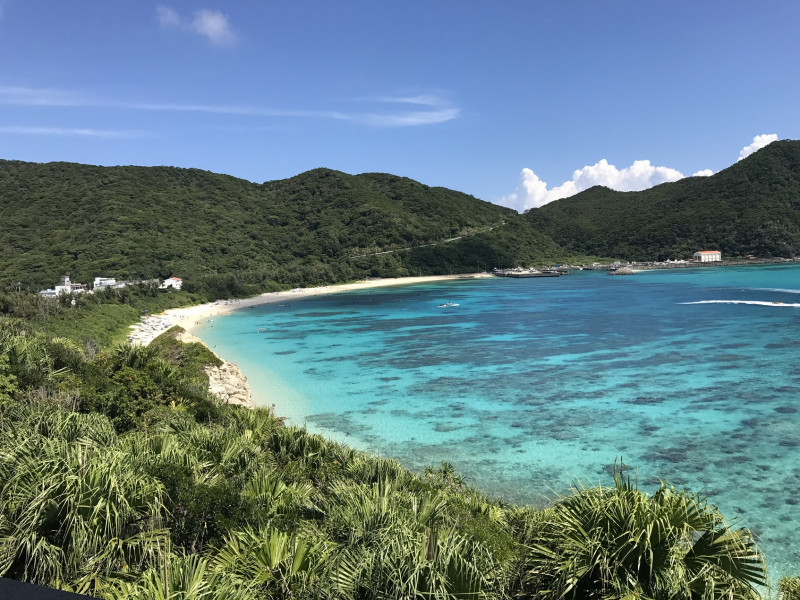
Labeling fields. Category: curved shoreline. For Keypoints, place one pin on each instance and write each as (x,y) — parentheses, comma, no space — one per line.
(228,381)
(189,317)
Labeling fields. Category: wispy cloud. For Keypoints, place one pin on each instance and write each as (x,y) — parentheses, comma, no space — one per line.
(211,24)
(532,192)
(222,109)
(405,119)
(24,96)
(74,132)
(421,99)
(168,17)
(438,110)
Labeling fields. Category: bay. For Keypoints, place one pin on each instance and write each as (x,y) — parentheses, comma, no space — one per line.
(529,385)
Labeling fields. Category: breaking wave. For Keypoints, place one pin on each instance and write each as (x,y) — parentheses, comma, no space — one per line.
(756,302)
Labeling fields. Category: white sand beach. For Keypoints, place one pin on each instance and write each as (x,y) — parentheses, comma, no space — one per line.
(227,381)
(188,317)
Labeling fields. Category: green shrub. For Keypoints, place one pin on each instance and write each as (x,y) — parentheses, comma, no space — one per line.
(789,588)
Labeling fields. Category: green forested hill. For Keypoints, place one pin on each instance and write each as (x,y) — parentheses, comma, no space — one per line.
(752,207)
(232,236)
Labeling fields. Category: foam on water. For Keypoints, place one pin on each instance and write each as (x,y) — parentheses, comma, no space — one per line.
(753,302)
(531,384)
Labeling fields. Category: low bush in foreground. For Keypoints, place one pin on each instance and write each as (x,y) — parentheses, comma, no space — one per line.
(121,478)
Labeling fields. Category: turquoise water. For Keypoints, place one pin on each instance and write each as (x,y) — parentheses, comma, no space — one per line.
(531,384)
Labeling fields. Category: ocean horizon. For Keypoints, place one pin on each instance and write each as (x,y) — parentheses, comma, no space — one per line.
(529,386)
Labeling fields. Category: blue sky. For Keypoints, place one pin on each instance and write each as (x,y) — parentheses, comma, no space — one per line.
(492,99)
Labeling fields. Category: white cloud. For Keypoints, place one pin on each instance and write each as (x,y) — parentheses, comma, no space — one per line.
(408,113)
(73,132)
(212,24)
(405,119)
(22,96)
(168,17)
(437,110)
(533,192)
(759,142)
(420,99)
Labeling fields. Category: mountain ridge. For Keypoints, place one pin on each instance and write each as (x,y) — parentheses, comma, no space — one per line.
(751,207)
(232,236)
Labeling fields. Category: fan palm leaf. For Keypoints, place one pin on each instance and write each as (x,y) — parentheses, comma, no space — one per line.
(619,541)
(284,565)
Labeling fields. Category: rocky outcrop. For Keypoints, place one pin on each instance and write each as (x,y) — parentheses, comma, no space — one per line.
(226,382)
(230,384)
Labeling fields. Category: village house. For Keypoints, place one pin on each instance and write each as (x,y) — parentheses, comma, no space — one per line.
(101,283)
(707,256)
(66,287)
(171,282)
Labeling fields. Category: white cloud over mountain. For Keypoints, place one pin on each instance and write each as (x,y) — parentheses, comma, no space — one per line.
(758,142)
(532,192)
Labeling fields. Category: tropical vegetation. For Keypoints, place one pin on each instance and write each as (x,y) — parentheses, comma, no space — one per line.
(121,477)
(229,237)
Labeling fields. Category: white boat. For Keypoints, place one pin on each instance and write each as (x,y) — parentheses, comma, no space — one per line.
(448,304)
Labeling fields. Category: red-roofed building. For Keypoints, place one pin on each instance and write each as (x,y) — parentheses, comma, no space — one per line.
(171,282)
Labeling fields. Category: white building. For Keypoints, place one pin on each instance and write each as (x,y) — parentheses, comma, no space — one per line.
(171,282)
(101,283)
(67,287)
(707,256)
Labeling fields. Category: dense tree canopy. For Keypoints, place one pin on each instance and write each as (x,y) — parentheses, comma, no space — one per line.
(752,207)
(226,236)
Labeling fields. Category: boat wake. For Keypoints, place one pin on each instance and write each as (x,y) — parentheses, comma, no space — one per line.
(755,302)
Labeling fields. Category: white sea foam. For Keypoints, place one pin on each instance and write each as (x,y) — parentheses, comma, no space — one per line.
(755,302)
(782,290)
